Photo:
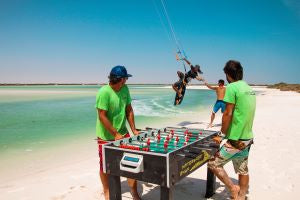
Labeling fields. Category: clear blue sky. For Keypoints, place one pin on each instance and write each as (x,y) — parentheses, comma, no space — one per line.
(79,41)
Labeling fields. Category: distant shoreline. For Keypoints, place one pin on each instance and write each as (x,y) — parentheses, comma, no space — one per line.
(37,84)
(286,87)
(280,86)
(61,84)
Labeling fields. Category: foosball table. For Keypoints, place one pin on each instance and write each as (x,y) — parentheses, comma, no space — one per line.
(159,156)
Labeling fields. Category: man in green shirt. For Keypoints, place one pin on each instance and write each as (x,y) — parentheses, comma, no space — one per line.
(113,104)
(237,124)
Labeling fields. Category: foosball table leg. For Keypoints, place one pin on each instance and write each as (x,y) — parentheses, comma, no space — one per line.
(210,184)
(166,193)
(114,187)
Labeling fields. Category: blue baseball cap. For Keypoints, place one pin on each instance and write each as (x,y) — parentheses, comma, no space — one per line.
(119,72)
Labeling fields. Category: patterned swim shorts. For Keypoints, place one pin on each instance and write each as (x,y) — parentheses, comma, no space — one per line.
(237,151)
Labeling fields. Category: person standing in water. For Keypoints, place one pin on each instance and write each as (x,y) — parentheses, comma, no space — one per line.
(220,104)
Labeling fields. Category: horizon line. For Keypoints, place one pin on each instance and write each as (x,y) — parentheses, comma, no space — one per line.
(33,84)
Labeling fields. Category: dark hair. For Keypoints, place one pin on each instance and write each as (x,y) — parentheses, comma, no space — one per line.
(114,80)
(234,69)
(197,68)
(221,81)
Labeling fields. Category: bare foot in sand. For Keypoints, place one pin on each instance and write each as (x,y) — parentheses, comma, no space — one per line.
(106,195)
(234,192)
(135,195)
(242,196)
(209,125)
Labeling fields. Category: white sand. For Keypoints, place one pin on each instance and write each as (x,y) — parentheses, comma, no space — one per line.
(274,163)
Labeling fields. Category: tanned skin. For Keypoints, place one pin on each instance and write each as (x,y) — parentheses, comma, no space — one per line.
(178,91)
(220,92)
(107,124)
(238,192)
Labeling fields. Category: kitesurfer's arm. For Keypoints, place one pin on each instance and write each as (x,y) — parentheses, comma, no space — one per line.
(199,78)
(188,62)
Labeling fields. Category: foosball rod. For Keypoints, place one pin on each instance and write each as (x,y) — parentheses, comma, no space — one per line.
(154,143)
(177,132)
(163,135)
(183,129)
(188,133)
(163,139)
(148,149)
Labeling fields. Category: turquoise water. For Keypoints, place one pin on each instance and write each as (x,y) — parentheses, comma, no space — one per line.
(38,117)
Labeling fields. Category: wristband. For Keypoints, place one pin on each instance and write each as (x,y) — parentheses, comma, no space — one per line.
(221,134)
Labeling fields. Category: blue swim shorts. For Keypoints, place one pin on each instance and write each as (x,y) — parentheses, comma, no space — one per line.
(219,104)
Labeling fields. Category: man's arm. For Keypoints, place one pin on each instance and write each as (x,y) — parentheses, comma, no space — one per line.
(199,78)
(227,117)
(130,118)
(209,86)
(107,124)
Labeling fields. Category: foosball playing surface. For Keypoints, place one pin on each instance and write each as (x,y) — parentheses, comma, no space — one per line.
(162,140)
(160,156)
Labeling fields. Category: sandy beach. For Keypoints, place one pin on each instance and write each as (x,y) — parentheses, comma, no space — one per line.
(274,162)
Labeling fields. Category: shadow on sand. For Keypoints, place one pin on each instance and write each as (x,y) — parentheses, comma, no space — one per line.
(217,125)
(204,124)
(187,189)
(186,123)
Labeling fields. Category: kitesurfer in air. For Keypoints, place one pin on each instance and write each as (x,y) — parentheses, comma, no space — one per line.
(184,79)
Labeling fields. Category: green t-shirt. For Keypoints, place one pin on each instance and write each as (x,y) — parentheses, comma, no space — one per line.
(115,104)
(241,94)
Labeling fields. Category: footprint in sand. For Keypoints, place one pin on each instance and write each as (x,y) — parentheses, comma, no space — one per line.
(59,197)
(148,185)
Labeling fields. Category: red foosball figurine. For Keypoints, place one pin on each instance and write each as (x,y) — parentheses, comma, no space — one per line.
(145,149)
(186,132)
(158,137)
(187,139)
(166,145)
(167,138)
(148,142)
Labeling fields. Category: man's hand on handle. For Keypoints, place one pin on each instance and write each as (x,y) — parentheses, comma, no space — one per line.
(135,132)
(118,136)
(218,138)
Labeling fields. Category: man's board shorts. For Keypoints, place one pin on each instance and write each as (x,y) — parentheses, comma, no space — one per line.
(102,142)
(237,151)
(219,104)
